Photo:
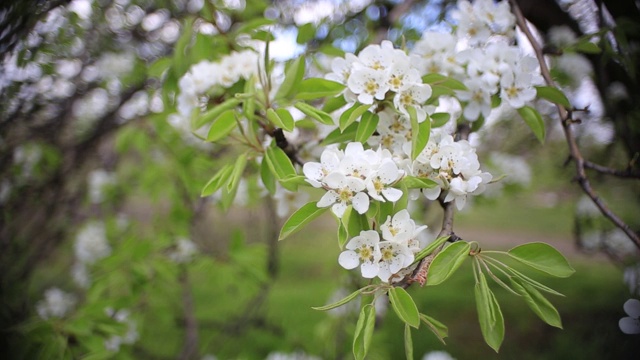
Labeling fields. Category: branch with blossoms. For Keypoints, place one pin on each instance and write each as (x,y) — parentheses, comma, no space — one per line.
(384,129)
(575,153)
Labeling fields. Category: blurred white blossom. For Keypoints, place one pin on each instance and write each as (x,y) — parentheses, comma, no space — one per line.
(56,304)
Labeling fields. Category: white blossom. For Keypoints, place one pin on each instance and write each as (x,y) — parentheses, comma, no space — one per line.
(631,324)
(56,304)
(363,250)
(91,243)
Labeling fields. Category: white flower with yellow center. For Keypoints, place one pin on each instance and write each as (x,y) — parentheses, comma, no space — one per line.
(363,250)
(344,191)
(517,89)
(415,95)
(329,162)
(368,84)
(394,257)
(380,181)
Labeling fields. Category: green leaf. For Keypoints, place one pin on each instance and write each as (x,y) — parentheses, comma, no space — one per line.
(341,302)
(224,124)
(489,314)
(439,119)
(404,306)
(292,182)
(215,112)
(315,88)
(268,179)
(430,248)
(339,136)
(355,222)
(543,257)
(279,163)
(420,132)
(158,67)
(408,342)
(444,81)
(343,235)
(352,114)
(238,169)
(314,113)
(300,218)
(218,180)
(587,47)
(439,329)
(252,25)
(292,77)
(334,104)
(364,331)
(367,126)
(532,117)
(306,33)
(447,262)
(532,282)
(554,95)
(281,118)
(537,302)
(412,182)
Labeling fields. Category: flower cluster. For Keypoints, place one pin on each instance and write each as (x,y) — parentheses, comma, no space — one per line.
(114,342)
(454,166)
(205,75)
(56,304)
(91,245)
(377,70)
(353,177)
(184,251)
(482,19)
(384,258)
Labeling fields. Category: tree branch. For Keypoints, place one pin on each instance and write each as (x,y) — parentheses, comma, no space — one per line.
(565,119)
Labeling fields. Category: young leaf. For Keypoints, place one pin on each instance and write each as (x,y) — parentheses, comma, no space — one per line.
(300,218)
(364,331)
(218,180)
(587,47)
(366,126)
(334,104)
(343,235)
(420,133)
(268,179)
(339,303)
(315,88)
(238,169)
(354,222)
(279,163)
(281,118)
(352,114)
(314,113)
(215,112)
(554,95)
(439,119)
(532,117)
(412,182)
(338,136)
(537,303)
(532,282)
(447,262)
(489,314)
(306,33)
(404,306)
(292,182)
(292,77)
(224,124)
(543,257)
(408,342)
(445,81)
(439,329)
(430,248)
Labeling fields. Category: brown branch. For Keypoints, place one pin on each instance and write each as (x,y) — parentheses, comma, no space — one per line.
(565,119)
(629,173)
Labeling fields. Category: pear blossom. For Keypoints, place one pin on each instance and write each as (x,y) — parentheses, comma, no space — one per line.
(394,257)
(363,250)
(517,89)
(344,191)
(415,96)
(379,182)
(91,243)
(329,161)
(368,84)
(56,304)
(631,324)
(477,97)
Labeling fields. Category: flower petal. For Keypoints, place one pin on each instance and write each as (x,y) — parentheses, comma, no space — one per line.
(360,203)
(632,308)
(349,259)
(369,270)
(629,325)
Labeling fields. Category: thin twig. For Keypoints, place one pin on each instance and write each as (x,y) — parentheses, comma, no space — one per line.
(565,119)
(629,173)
